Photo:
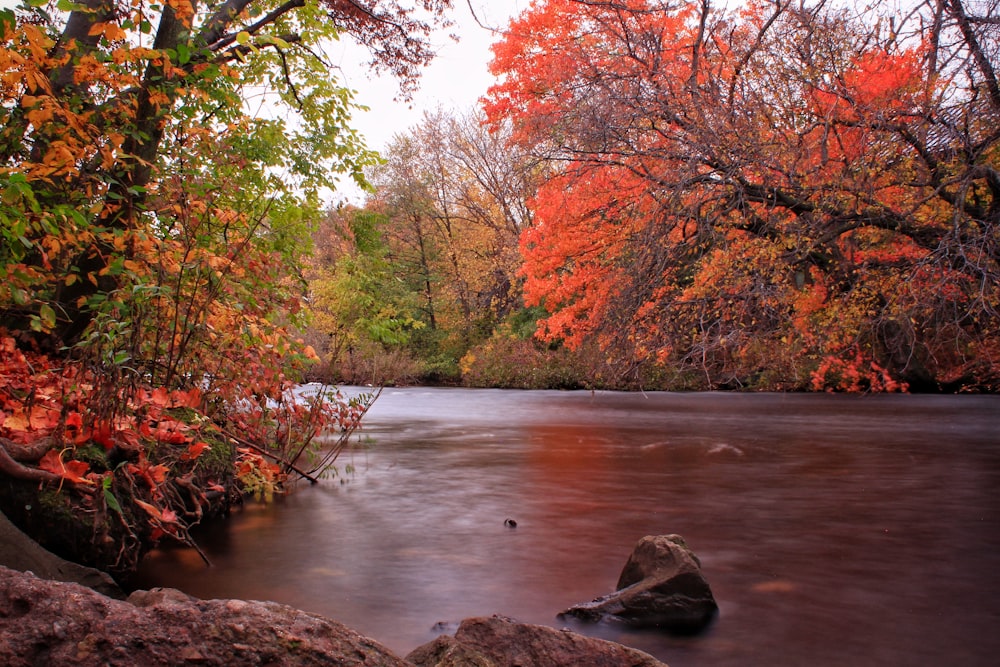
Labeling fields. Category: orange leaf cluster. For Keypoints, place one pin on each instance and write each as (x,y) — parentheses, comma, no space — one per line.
(39,400)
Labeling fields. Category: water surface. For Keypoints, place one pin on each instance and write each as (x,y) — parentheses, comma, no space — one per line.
(833,529)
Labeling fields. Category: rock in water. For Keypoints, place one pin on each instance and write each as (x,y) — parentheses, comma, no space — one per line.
(657,555)
(501,642)
(661,586)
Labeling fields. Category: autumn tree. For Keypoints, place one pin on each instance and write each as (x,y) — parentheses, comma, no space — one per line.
(783,195)
(159,175)
(104,103)
(455,200)
(363,315)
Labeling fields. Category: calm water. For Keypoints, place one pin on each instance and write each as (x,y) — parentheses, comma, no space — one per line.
(834,530)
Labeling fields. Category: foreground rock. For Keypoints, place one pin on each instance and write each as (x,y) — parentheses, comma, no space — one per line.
(501,642)
(661,586)
(46,622)
(53,623)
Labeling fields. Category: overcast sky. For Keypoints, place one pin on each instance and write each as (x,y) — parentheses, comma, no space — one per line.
(456,79)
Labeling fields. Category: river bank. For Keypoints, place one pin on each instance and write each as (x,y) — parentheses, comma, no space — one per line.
(50,622)
(76,615)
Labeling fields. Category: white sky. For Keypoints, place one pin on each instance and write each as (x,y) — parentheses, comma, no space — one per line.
(456,79)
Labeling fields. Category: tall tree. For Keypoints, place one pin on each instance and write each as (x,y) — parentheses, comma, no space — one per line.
(456,199)
(354,294)
(103,104)
(153,218)
(794,194)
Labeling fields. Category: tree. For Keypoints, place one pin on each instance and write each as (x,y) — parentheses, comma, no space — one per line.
(789,195)
(456,201)
(152,226)
(148,215)
(104,102)
(356,300)
(429,266)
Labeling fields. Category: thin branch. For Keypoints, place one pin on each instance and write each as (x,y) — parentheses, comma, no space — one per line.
(271,455)
(982,60)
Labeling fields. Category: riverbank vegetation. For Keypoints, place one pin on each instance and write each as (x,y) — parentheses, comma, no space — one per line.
(680,195)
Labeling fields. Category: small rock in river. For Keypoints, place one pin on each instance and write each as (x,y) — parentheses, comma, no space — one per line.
(661,586)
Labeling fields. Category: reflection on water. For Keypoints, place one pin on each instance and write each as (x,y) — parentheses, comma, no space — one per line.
(832,529)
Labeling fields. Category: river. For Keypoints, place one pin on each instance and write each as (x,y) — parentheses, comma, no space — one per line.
(833,529)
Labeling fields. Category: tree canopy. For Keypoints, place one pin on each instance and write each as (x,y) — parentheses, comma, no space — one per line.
(804,191)
(115,111)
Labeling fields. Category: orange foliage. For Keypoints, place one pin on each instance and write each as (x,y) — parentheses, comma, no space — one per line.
(786,198)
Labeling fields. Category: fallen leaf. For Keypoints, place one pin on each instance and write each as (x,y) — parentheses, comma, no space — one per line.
(194,451)
(151,510)
(72,470)
(160,396)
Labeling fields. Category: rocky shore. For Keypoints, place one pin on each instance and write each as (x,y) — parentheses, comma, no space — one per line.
(58,623)
(47,616)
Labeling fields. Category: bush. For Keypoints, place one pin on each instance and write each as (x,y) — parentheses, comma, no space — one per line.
(509,362)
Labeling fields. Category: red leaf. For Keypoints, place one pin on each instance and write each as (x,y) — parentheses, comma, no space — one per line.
(74,420)
(101,433)
(162,516)
(158,473)
(170,431)
(151,510)
(194,451)
(160,396)
(187,399)
(40,419)
(71,470)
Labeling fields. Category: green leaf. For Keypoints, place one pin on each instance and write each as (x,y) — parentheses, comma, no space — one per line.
(47,315)
(243,37)
(7,21)
(109,496)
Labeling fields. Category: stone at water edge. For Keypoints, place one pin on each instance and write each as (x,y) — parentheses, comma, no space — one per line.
(20,552)
(501,642)
(53,623)
(661,586)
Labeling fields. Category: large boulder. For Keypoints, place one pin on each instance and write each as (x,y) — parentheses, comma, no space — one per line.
(661,586)
(54,623)
(501,642)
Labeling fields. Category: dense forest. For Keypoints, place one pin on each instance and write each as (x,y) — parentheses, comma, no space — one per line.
(670,195)
(653,195)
